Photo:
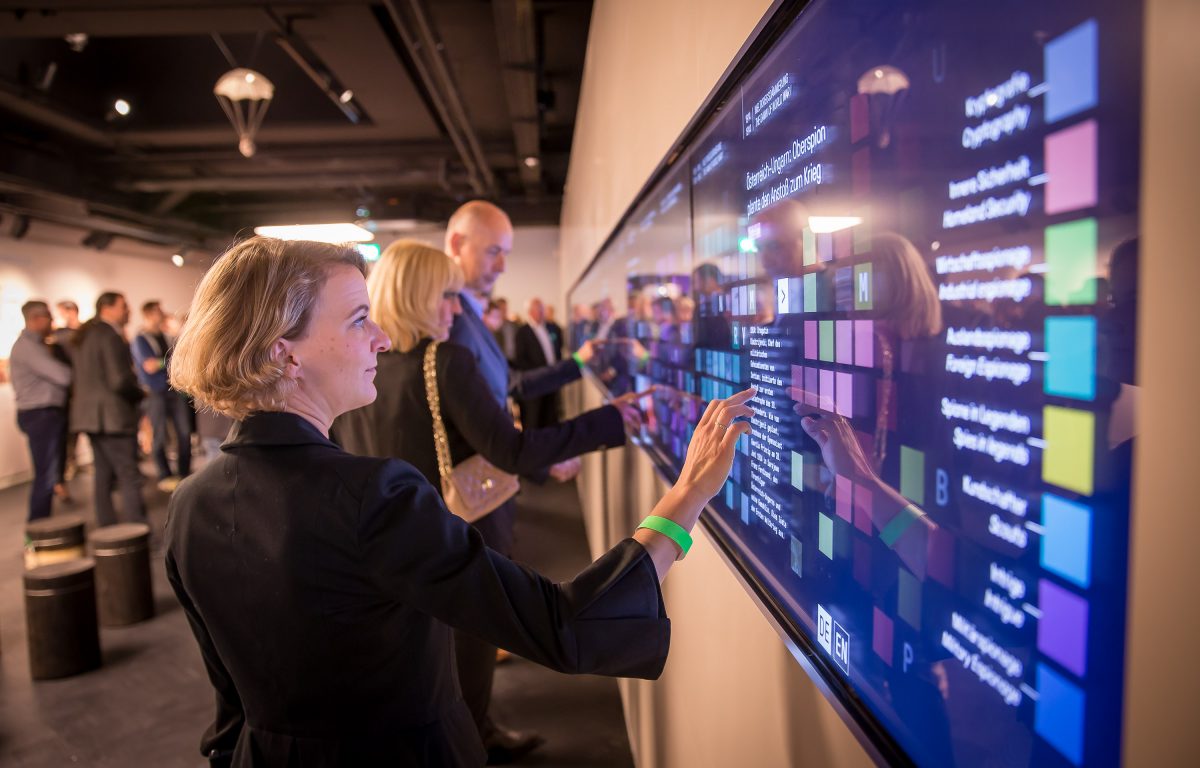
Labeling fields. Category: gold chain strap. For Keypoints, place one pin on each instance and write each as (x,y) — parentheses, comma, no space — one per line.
(440,442)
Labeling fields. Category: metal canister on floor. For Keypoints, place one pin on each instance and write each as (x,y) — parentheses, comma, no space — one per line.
(60,619)
(54,539)
(125,593)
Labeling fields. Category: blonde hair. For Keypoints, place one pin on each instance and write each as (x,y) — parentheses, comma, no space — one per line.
(913,308)
(406,287)
(257,292)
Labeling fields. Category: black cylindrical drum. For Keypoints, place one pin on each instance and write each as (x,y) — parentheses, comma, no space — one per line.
(54,540)
(60,619)
(124,593)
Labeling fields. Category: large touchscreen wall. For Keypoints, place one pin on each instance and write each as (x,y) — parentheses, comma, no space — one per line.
(912,225)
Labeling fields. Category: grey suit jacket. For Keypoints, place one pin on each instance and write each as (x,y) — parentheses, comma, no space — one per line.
(105,393)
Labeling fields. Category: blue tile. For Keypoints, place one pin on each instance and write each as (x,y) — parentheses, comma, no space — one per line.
(1072,71)
(1067,539)
(1059,715)
(1071,348)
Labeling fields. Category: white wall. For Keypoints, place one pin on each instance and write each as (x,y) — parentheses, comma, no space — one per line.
(49,264)
(731,694)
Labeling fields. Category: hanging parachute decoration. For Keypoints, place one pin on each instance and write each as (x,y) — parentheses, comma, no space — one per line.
(244,95)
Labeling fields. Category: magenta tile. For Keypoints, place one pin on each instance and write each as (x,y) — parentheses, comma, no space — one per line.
(864,343)
(845,395)
(844,497)
(843,348)
(864,502)
(810,339)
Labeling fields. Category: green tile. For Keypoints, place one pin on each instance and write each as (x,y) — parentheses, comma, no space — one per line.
(826,345)
(912,474)
(810,293)
(797,471)
(1071,263)
(825,537)
(908,603)
(810,246)
(797,557)
(864,287)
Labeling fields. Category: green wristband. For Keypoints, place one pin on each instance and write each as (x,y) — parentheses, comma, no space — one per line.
(892,532)
(672,530)
(578,360)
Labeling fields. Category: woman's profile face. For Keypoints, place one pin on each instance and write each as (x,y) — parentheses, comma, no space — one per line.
(337,356)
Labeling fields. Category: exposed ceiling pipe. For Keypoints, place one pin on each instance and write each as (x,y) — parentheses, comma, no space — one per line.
(15,102)
(515,38)
(282,182)
(461,134)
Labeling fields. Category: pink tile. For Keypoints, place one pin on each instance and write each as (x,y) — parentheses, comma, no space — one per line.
(844,346)
(940,560)
(860,172)
(882,635)
(798,377)
(864,343)
(845,395)
(844,496)
(827,393)
(824,246)
(843,243)
(1071,168)
(860,117)
(811,388)
(810,339)
(864,502)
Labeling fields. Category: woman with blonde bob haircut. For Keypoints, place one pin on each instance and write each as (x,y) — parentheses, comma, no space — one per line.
(409,287)
(322,587)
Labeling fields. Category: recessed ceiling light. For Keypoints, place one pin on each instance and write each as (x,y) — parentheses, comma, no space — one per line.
(177,260)
(532,161)
(322,233)
(346,96)
(121,107)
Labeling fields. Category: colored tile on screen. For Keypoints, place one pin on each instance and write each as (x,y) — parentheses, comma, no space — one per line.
(1071,263)
(862,562)
(864,343)
(824,246)
(810,249)
(1071,352)
(745,509)
(1068,459)
(864,289)
(797,556)
(1059,713)
(845,395)
(1071,168)
(797,471)
(912,474)
(812,387)
(810,293)
(860,117)
(939,560)
(844,348)
(864,502)
(825,535)
(843,244)
(798,377)
(908,598)
(1066,540)
(844,497)
(843,289)
(825,329)
(882,633)
(1062,628)
(860,171)
(1072,71)
(826,403)
(811,349)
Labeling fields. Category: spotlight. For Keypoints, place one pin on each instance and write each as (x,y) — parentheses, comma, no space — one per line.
(121,107)
(346,96)
(77,41)
(177,260)
(532,161)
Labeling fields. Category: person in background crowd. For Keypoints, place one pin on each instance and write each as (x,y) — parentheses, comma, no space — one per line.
(557,338)
(104,404)
(582,325)
(164,406)
(64,347)
(40,383)
(536,349)
(507,335)
(324,622)
(493,318)
(479,237)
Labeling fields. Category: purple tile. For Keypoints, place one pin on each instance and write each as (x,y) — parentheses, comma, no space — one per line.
(1062,628)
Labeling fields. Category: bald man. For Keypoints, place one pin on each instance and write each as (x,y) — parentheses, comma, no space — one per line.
(479,237)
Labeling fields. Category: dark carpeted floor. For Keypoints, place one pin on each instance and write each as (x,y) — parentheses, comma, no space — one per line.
(150,701)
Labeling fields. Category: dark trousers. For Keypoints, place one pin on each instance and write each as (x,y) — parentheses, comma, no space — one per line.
(45,429)
(476,658)
(116,461)
(163,408)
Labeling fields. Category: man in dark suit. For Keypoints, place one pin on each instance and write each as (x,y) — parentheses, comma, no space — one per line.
(164,406)
(536,348)
(557,337)
(479,237)
(104,404)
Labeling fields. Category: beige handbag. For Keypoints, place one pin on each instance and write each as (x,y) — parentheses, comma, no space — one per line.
(475,487)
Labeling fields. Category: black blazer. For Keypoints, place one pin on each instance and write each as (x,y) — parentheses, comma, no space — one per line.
(398,424)
(321,587)
(529,350)
(104,392)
